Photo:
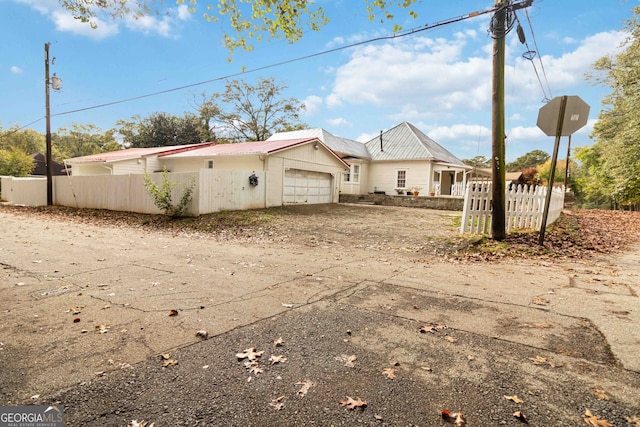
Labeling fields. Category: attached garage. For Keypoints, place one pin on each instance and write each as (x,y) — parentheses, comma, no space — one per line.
(308,187)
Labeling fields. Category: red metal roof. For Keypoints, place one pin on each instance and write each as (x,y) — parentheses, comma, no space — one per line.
(260,147)
(135,153)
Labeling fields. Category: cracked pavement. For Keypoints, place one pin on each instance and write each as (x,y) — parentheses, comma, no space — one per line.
(62,284)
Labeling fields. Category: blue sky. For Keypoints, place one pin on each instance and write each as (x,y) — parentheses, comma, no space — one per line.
(438,80)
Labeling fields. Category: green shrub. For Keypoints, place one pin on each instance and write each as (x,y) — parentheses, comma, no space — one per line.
(161,195)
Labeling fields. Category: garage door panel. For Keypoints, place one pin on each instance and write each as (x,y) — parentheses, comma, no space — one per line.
(307,187)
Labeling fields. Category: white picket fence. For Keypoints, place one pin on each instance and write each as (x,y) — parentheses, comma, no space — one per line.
(524,207)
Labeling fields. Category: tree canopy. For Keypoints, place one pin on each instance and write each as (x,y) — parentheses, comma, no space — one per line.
(249,20)
(246,112)
(612,164)
(15,162)
(159,130)
(478,162)
(529,160)
(82,140)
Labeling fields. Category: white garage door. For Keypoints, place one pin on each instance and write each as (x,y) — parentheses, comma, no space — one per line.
(307,187)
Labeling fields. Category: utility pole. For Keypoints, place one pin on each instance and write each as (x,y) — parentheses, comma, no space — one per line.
(48,125)
(497,123)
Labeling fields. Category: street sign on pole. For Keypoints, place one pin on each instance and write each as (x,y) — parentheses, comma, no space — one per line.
(562,116)
(576,114)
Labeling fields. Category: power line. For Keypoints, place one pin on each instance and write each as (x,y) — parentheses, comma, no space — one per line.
(302,58)
(535,43)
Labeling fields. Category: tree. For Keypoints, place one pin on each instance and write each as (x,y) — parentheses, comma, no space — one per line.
(544,171)
(616,151)
(593,184)
(82,140)
(275,19)
(478,162)
(530,160)
(245,112)
(159,130)
(28,140)
(15,162)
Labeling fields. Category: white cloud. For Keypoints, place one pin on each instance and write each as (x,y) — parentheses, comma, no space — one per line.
(333,100)
(312,104)
(98,29)
(523,132)
(16,70)
(339,122)
(165,26)
(366,137)
(459,132)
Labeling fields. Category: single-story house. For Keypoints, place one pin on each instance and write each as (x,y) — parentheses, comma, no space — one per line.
(40,166)
(300,170)
(396,161)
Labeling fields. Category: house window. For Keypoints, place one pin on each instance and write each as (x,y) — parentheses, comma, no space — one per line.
(353,175)
(401,179)
(208,164)
(356,173)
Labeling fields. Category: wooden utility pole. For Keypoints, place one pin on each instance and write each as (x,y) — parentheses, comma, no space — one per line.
(497,126)
(48,127)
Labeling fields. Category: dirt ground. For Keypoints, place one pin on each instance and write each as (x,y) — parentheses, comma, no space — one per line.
(389,305)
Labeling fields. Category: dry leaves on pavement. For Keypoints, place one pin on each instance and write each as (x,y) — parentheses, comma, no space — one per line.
(249,353)
(277,403)
(456,418)
(306,385)
(514,398)
(351,403)
(349,361)
(389,373)
(594,421)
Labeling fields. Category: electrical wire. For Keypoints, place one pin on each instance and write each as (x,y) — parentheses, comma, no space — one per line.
(535,43)
(530,55)
(277,64)
(302,58)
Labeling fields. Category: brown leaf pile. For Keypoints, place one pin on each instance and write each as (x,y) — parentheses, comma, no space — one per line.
(577,234)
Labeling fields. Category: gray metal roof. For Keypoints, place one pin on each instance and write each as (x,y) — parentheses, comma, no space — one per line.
(406,142)
(342,146)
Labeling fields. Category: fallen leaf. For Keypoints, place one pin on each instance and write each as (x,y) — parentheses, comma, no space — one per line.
(349,361)
(426,368)
(169,362)
(432,327)
(377,417)
(521,416)
(102,329)
(279,342)
(514,398)
(353,404)
(538,360)
(165,356)
(633,419)
(390,373)
(106,307)
(202,334)
(594,421)
(256,369)
(601,394)
(539,301)
(277,403)
(35,396)
(249,353)
(456,418)
(451,339)
(173,313)
(287,305)
(277,359)
(306,385)
(143,423)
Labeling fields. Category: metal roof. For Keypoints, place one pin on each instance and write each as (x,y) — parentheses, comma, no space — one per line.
(133,153)
(343,146)
(406,142)
(247,148)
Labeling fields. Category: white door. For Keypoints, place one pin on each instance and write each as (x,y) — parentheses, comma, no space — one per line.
(307,187)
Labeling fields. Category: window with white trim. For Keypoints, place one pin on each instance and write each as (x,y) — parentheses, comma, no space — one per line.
(355,172)
(401,179)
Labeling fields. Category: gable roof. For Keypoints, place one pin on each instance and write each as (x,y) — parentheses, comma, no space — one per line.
(133,153)
(406,142)
(343,146)
(248,148)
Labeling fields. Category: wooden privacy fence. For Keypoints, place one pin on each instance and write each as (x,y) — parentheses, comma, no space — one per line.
(524,207)
(215,190)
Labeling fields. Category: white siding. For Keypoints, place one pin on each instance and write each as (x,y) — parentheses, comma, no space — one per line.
(82,169)
(383,175)
(188,164)
(126,167)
